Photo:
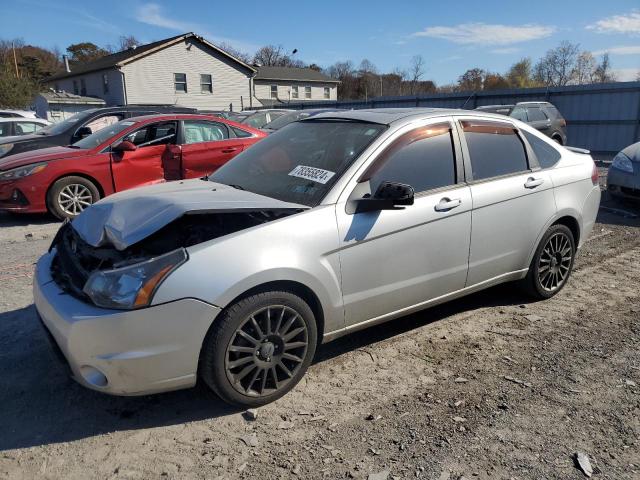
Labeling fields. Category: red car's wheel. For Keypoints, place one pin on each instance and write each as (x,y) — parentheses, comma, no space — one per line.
(69,196)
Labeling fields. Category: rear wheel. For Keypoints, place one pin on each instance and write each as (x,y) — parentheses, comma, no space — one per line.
(69,196)
(552,263)
(259,348)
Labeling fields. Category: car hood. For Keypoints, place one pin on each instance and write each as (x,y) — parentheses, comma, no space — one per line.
(633,152)
(41,155)
(126,218)
(20,138)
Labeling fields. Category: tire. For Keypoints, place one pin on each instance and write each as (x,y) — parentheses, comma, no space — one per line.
(255,367)
(541,282)
(557,139)
(69,196)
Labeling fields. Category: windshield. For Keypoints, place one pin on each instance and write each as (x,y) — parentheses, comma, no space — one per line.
(101,136)
(300,162)
(65,125)
(286,119)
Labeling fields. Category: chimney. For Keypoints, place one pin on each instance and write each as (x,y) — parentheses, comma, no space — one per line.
(66,63)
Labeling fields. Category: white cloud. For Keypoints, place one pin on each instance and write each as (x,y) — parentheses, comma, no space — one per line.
(628,23)
(620,50)
(152,14)
(504,51)
(626,74)
(484,34)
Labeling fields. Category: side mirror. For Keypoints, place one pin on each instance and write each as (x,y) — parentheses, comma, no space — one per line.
(83,132)
(388,196)
(124,146)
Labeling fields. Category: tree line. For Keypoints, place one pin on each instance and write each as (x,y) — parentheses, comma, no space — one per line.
(24,68)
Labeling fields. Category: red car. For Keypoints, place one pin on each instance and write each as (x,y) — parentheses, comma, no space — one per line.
(130,153)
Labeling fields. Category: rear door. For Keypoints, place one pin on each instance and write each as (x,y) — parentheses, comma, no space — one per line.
(206,145)
(512,199)
(147,164)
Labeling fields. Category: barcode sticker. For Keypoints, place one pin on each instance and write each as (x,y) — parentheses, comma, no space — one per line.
(311,173)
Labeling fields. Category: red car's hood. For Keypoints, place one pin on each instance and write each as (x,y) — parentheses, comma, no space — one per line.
(42,155)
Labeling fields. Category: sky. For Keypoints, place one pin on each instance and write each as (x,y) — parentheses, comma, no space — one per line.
(451,36)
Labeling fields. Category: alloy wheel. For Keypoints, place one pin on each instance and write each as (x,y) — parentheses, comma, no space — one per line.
(74,198)
(266,350)
(555,262)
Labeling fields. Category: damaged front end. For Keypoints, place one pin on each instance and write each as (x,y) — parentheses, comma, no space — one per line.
(127,278)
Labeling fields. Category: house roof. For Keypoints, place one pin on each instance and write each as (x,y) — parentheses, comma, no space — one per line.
(122,58)
(294,74)
(65,97)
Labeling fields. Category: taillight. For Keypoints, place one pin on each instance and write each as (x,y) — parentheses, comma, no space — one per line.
(595,177)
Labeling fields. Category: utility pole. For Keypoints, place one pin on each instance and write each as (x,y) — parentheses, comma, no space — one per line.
(15,60)
(380,85)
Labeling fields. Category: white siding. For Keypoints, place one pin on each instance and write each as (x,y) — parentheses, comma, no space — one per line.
(93,82)
(263,90)
(150,79)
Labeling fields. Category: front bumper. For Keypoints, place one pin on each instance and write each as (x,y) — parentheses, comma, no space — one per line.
(23,197)
(134,352)
(624,184)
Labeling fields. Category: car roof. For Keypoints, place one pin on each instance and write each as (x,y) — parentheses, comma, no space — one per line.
(388,116)
(22,120)
(534,103)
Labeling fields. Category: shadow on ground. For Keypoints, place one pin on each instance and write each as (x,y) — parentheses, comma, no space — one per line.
(41,405)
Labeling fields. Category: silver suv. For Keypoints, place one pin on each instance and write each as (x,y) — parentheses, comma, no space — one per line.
(330,225)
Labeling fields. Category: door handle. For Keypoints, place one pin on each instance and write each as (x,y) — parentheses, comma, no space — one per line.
(230,150)
(533,182)
(447,204)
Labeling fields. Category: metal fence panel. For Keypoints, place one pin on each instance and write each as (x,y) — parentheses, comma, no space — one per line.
(603,118)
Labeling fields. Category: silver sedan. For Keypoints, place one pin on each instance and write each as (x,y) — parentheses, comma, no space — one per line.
(623,178)
(330,225)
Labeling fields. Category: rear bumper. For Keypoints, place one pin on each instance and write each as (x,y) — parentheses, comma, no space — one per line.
(119,352)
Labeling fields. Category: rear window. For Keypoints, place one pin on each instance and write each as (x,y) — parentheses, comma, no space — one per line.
(547,155)
(241,133)
(495,149)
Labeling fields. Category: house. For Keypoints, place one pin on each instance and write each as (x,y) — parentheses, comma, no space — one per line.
(56,106)
(277,86)
(185,69)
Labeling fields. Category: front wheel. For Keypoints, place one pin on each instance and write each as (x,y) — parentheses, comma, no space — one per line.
(69,196)
(552,263)
(259,348)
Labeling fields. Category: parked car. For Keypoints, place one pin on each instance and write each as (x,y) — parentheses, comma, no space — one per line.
(133,152)
(79,126)
(327,226)
(257,119)
(542,116)
(291,117)
(18,114)
(16,126)
(623,178)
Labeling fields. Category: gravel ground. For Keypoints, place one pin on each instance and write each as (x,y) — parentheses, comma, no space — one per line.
(490,386)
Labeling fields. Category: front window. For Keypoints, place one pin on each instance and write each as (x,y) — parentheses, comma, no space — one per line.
(98,138)
(327,93)
(307,92)
(301,162)
(105,83)
(206,83)
(294,91)
(180,82)
(274,91)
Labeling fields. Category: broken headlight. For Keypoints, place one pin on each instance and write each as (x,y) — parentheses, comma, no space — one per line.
(132,286)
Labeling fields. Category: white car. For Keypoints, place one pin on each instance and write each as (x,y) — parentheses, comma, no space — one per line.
(18,114)
(16,126)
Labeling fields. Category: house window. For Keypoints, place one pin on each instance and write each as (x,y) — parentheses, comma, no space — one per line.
(75,87)
(274,91)
(327,93)
(307,92)
(294,91)
(206,83)
(83,87)
(180,82)
(105,83)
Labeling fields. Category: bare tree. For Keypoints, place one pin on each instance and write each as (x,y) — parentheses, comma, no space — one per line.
(603,72)
(472,80)
(585,68)
(125,42)
(234,52)
(416,71)
(275,56)
(557,67)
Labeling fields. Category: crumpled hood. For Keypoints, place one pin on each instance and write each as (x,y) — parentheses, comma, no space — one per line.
(632,151)
(130,216)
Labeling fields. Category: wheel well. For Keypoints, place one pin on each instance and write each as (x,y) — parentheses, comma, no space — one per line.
(572,224)
(297,288)
(73,174)
(557,137)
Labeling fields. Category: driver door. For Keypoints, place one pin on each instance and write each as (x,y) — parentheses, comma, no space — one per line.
(146,165)
(392,260)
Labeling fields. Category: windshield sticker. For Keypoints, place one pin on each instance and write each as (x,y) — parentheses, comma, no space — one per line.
(311,173)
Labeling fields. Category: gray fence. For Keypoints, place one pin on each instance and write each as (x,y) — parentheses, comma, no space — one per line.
(603,118)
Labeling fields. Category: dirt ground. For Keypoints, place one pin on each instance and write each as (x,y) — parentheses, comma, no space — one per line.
(490,386)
